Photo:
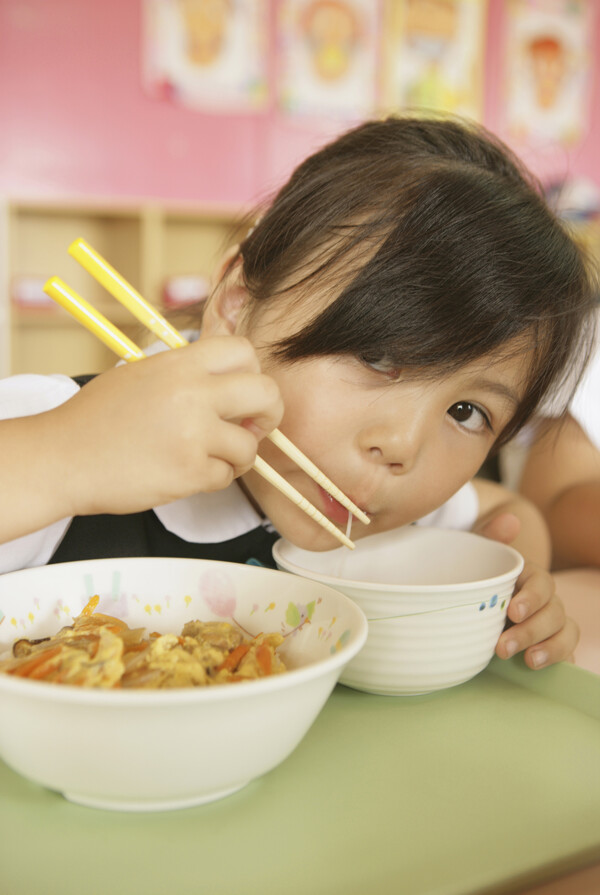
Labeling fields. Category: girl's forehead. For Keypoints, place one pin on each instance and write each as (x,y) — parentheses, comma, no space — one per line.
(506,367)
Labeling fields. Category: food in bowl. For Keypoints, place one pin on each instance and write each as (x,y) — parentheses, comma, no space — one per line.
(100,650)
(436,602)
(158,749)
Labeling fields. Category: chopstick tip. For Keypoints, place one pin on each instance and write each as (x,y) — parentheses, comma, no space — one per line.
(51,285)
(76,246)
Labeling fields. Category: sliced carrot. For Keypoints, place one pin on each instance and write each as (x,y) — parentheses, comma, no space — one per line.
(90,605)
(45,670)
(27,668)
(234,658)
(135,647)
(263,657)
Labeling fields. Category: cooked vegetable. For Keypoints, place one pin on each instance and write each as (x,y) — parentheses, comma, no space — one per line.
(101,651)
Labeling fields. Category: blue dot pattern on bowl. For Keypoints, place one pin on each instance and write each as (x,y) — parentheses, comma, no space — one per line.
(492,603)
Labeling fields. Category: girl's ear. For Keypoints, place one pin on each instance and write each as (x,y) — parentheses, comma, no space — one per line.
(220,270)
(223,307)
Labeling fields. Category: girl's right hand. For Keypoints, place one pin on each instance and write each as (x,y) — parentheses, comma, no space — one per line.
(150,432)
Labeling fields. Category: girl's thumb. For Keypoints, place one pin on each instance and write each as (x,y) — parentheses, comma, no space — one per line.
(504,528)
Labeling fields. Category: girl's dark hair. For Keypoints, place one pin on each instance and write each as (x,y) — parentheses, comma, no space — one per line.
(437,247)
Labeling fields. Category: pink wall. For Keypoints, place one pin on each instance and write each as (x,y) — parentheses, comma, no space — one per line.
(74,120)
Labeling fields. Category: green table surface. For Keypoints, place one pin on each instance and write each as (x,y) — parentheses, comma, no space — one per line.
(486,787)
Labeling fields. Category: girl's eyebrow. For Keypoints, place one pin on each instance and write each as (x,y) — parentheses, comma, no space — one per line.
(498,388)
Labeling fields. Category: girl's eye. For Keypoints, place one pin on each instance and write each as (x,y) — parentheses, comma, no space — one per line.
(386,367)
(469,416)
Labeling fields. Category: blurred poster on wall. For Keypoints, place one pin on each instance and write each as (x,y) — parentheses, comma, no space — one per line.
(207,54)
(548,69)
(433,51)
(327,57)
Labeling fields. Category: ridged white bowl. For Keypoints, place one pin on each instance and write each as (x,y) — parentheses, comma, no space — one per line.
(436,601)
(148,750)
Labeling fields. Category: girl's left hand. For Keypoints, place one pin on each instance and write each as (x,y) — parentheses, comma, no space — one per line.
(540,626)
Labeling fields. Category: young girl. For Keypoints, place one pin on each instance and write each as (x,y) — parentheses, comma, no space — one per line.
(399,310)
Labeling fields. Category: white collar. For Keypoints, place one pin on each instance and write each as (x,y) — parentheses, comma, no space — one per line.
(210,518)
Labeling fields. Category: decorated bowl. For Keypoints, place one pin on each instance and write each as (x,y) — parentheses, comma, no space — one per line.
(156,749)
(436,602)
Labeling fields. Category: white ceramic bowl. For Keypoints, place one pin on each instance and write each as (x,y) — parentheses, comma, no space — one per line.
(436,601)
(161,749)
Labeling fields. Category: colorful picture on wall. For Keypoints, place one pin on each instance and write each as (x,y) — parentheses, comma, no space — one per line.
(207,54)
(327,57)
(548,69)
(433,52)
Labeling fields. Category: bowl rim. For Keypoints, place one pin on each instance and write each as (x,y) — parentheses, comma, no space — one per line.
(116,698)
(402,589)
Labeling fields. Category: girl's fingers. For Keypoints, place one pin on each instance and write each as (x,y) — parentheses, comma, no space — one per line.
(534,590)
(536,629)
(231,452)
(235,445)
(218,474)
(558,648)
(225,354)
(504,528)
(240,392)
(239,396)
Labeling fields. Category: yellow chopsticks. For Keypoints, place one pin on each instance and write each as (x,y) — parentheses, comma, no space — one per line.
(124,292)
(93,320)
(118,342)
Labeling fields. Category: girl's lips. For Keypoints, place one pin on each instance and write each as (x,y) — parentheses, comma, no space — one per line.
(333,508)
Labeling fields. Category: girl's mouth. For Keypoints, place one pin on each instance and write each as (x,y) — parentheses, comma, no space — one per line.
(333,508)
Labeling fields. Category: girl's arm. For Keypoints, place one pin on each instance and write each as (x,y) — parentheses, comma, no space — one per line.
(139,436)
(31,498)
(562,478)
(540,628)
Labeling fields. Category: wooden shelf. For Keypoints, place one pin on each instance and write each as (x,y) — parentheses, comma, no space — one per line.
(146,242)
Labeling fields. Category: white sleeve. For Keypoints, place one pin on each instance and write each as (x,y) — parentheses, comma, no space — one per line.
(28,394)
(585,406)
(460,511)
(24,396)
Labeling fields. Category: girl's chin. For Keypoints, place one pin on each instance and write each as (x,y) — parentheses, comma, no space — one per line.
(308,536)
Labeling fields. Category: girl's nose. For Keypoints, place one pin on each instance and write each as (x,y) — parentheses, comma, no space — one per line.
(396,447)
